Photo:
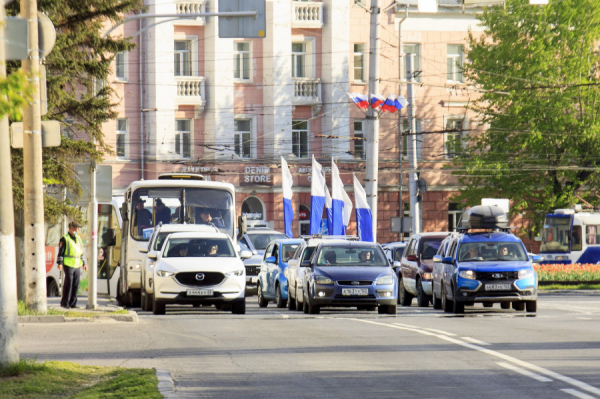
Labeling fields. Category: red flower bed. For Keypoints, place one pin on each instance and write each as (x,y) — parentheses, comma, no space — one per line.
(574,272)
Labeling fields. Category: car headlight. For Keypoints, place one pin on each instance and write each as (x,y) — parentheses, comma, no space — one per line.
(468,274)
(385,280)
(526,273)
(164,273)
(426,276)
(323,280)
(236,273)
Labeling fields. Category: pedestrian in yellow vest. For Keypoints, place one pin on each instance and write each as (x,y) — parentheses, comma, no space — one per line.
(70,255)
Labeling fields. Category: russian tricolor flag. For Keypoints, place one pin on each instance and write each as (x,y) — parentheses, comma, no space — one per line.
(337,199)
(364,217)
(317,196)
(394,103)
(347,211)
(288,211)
(329,211)
(377,100)
(360,100)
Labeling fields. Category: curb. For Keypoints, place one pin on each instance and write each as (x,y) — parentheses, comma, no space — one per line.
(570,292)
(131,317)
(166,385)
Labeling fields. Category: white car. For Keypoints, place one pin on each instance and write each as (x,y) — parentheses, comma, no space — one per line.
(298,264)
(159,235)
(198,269)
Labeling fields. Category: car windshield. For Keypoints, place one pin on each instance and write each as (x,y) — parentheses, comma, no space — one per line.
(261,240)
(308,251)
(492,251)
(289,250)
(430,247)
(160,240)
(198,247)
(351,256)
(555,236)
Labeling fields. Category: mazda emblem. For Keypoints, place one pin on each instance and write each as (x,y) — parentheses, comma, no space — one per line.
(355,283)
(497,275)
(200,276)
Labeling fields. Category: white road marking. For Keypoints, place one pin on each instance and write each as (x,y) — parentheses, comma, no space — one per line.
(578,394)
(285,316)
(474,341)
(441,332)
(530,366)
(584,318)
(524,372)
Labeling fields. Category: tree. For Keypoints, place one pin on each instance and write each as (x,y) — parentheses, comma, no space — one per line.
(541,148)
(80,60)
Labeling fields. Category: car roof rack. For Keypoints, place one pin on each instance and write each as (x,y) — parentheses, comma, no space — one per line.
(330,237)
(484,217)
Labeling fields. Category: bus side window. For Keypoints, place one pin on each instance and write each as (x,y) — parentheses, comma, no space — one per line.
(576,239)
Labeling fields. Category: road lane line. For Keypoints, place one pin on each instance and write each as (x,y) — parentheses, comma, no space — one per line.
(440,332)
(578,394)
(524,372)
(474,341)
(571,381)
(285,316)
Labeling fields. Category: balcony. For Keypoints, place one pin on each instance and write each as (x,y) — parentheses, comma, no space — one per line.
(307,91)
(190,90)
(307,14)
(191,7)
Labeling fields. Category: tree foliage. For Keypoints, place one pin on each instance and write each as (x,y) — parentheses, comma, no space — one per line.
(80,60)
(541,141)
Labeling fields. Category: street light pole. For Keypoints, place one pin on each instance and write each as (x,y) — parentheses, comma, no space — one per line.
(415,205)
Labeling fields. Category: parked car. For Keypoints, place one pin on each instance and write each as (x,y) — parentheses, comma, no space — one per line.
(272,283)
(416,267)
(393,250)
(438,270)
(157,239)
(487,266)
(252,265)
(300,262)
(349,274)
(199,269)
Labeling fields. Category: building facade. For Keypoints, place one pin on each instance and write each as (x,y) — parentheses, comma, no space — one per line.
(229,108)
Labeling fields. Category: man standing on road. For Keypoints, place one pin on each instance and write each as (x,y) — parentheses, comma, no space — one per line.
(70,255)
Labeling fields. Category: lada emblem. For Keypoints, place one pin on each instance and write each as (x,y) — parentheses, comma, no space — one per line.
(199,276)
(355,283)
(497,275)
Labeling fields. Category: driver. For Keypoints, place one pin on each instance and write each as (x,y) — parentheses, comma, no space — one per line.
(365,256)
(505,252)
(473,253)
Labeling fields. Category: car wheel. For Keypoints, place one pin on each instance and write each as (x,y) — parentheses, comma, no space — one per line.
(305,305)
(299,305)
(446,303)
(422,297)
(158,307)
(435,301)
(291,303)
(519,306)
(281,303)
(488,304)
(144,299)
(531,306)
(120,300)
(457,307)
(505,305)
(52,289)
(405,296)
(311,309)
(239,307)
(262,302)
(218,306)
(392,309)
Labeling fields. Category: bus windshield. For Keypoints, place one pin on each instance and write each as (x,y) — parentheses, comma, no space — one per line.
(176,205)
(555,237)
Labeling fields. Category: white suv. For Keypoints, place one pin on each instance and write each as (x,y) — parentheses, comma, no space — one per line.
(198,269)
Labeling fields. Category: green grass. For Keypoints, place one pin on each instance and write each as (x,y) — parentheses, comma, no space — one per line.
(570,287)
(23,310)
(29,379)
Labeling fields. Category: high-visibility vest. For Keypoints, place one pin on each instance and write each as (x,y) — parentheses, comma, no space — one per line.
(73,251)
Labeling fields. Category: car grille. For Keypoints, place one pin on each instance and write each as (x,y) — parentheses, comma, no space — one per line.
(506,276)
(252,270)
(349,282)
(210,278)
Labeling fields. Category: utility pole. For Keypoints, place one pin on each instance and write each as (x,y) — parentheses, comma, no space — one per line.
(9,352)
(400,138)
(373,117)
(415,205)
(92,302)
(35,266)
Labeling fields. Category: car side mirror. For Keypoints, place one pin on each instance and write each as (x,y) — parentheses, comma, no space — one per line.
(437,258)
(144,250)
(411,258)
(447,259)
(397,264)
(271,259)
(293,262)
(537,258)
(245,254)
(152,255)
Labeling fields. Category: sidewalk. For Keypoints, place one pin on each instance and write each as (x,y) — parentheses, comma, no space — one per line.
(104,312)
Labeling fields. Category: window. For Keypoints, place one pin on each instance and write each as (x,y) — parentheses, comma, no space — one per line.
(359,62)
(300,139)
(66,129)
(182,138)
(455,60)
(413,51)
(120,71)
(454,213)
(407,139)
(298,60)
(183,58)
(121,137)
(242,61)
(243,137)
(359,143)
(454,138)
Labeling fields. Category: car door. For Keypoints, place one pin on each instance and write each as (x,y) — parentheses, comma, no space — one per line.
(449,268)
(264,271)
(273,269)
(411,265)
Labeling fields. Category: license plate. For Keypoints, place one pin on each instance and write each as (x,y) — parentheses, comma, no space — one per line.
(199,292)
(497,287)
(355,291)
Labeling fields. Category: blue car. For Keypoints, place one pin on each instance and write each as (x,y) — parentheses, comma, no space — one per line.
(484,263)
(350,274)
(272,284)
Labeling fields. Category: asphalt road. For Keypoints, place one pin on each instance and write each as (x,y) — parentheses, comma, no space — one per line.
(418,353)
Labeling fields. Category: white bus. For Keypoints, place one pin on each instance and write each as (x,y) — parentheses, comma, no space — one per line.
(174,199)
(571,236)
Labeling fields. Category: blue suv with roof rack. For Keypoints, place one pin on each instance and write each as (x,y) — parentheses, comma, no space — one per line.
(485,263)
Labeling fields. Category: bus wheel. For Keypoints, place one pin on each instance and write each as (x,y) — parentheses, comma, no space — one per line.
(52,288)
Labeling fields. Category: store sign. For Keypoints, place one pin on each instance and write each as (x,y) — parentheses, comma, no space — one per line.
(200,169)
(307,170)
(256,175)
(253,215)
(303,215)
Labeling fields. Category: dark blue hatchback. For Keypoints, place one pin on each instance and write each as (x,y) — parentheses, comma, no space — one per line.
(350,274)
